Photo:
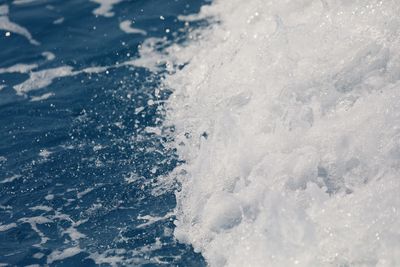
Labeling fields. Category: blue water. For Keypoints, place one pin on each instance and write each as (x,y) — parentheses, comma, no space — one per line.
(77,169)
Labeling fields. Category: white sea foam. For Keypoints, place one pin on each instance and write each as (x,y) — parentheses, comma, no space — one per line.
(23,2)
(126,26)
(59,21)
(42,78)
(42,208)
(49,55)
(38,255)
(58,255)
(73,233)
(151,219)
(34,221)
(41,97)
(287,115)
(154,54)
(7,25)
(49,197)
(39,79)
(10,179)
(105,8)
(104,258)
(19,68)
(44,153)
(6,227)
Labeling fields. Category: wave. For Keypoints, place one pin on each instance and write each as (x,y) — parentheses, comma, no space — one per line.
(286,114)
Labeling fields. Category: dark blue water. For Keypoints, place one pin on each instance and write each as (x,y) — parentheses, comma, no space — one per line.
(77,167)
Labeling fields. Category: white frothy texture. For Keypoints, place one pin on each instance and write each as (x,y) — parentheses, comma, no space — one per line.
(19,68)
(39,79)
(288,118)
(10,179)
(42,78)
(9,26)
(59,21)
(49,55)
(41,97)
(126,26)
(59,255)
(6,227)
(23,2)
(105,8)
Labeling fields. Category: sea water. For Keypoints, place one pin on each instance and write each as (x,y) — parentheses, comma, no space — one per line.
(258,133)
(80,157)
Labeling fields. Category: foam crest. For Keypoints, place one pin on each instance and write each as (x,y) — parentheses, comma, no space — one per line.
(287,116)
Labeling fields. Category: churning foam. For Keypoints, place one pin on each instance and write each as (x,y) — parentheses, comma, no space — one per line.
(288,118)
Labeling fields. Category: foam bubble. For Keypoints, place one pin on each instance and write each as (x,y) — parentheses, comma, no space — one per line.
(287,116)
(126,26)
(59,21)
(33,222)
(19,68)
(41,97)
(105,8)
(59,255)
(10,179)
(23,2)
(42,78)
(6,227)
(7,25)
(44,153)
(48,55)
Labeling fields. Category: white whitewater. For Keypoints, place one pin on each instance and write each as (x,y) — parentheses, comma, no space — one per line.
(288,117)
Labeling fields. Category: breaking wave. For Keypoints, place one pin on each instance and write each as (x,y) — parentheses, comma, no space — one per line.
(286,114)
